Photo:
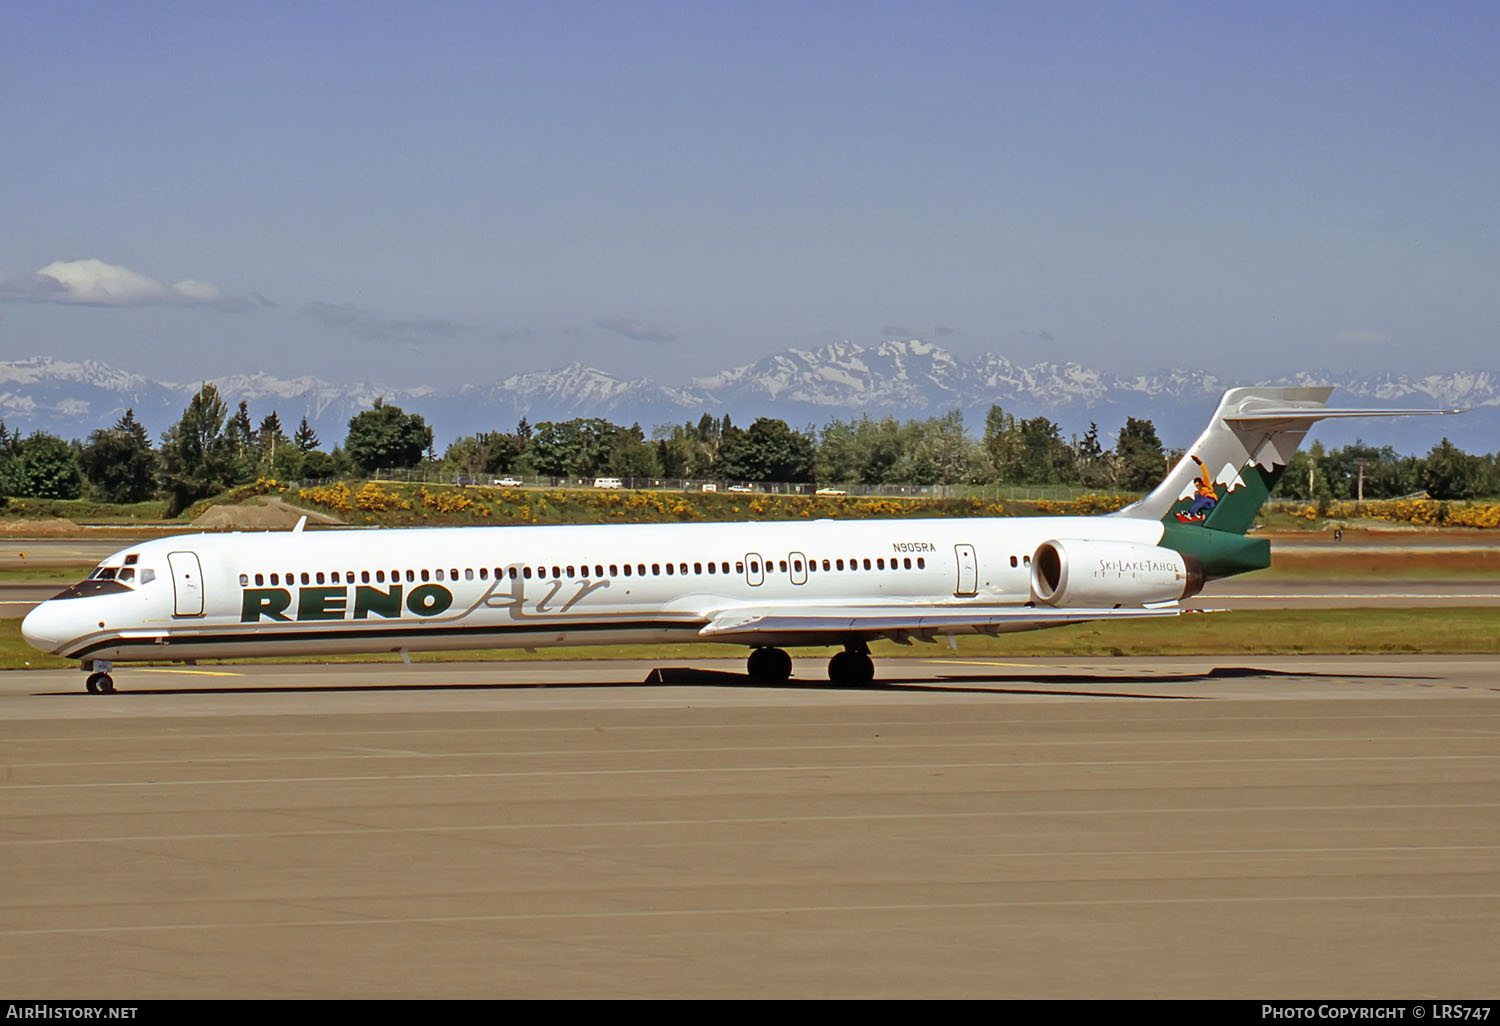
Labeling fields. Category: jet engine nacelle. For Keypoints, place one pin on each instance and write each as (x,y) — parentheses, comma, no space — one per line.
(1071,573)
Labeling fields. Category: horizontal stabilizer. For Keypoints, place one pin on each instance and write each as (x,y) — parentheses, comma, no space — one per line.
(1303,413)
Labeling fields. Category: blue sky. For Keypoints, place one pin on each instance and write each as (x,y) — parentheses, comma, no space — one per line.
(451,192)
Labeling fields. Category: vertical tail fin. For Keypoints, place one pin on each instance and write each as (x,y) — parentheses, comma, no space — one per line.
(1225,476)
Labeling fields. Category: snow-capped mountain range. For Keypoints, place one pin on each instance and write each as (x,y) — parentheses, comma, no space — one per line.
(844,380)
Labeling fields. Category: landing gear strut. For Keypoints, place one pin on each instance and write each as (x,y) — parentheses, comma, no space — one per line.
(852,667)
(99,681)
(769,666)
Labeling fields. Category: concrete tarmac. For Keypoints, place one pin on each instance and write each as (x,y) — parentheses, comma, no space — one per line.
(1137,828)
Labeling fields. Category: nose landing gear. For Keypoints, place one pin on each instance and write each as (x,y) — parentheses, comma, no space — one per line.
(99,681)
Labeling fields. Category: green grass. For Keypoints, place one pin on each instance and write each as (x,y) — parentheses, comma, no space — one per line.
(85,510)
(1410,569)
(1449,630)
(60,574)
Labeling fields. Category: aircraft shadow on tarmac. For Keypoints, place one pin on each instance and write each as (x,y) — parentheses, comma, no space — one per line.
(669,676)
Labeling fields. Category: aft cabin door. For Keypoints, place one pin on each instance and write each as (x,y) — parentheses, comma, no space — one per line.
(187,582)
(797,566)
(968,570)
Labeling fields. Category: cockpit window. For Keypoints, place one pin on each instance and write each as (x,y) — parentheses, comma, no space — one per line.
(111,580)
(91,587)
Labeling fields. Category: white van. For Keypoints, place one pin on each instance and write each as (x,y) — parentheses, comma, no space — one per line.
(608,482)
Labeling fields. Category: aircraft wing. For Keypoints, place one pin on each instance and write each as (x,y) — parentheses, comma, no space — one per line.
(903,625)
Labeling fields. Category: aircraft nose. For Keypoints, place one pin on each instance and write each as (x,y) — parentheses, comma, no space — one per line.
(45,627)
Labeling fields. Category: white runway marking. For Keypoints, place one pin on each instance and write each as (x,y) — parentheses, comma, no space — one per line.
(761,910)
(745,770)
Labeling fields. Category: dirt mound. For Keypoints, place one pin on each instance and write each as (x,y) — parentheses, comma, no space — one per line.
(261,513)
(32,528)
(245,517)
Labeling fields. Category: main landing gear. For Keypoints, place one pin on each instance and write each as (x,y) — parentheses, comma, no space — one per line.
(769,666)
(99,681)
(850,668)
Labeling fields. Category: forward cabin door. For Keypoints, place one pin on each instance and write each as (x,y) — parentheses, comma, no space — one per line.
(968,570)
(187,583)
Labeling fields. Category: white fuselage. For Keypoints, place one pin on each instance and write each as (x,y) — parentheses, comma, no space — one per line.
(339,591)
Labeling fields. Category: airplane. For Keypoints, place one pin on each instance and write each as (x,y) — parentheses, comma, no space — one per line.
(767,586)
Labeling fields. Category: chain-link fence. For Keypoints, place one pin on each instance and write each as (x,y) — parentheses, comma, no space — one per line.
(429,474)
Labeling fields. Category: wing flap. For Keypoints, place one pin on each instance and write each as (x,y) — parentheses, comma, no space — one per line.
(898,624)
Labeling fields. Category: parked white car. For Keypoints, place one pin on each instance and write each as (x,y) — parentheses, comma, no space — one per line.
(741,488)
(608,482)
(506,482)
(830,491)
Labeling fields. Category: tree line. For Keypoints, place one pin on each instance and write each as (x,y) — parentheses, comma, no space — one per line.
(211,449)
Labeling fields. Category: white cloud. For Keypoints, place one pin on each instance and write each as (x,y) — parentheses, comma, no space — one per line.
(95,283)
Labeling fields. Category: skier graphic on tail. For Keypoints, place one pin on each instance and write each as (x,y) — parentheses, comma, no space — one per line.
(1204,496)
